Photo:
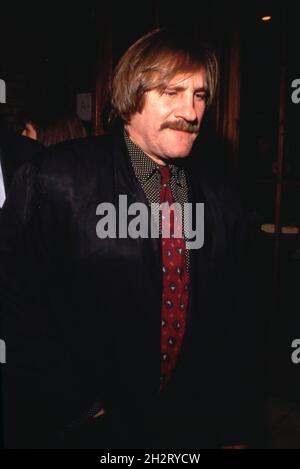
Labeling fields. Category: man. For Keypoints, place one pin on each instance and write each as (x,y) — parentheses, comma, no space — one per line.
(128,341)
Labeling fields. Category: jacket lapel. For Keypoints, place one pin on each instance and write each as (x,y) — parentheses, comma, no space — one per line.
(147,277)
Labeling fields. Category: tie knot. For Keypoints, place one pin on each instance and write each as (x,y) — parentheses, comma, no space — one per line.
(165,174)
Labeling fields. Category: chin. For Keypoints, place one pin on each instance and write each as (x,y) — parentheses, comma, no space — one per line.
(180,152)
(181,149)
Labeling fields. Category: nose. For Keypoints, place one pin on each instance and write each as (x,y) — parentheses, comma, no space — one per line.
(186,109)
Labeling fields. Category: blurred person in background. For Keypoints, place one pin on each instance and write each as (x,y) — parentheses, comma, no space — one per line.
(50,125)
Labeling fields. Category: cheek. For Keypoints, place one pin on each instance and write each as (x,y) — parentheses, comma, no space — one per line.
(200,112)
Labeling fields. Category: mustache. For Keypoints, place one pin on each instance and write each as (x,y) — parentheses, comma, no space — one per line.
(181,125)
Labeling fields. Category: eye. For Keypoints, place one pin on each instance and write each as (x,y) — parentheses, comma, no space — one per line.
(201,97)
(170,92)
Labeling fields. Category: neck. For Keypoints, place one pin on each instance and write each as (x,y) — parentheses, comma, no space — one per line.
(157,160)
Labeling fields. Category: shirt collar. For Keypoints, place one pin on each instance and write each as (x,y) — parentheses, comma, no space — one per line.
(144,167)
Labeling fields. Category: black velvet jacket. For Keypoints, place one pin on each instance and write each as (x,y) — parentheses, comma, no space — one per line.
(81,315)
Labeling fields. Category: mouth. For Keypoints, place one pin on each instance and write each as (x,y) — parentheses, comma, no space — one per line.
(183,131)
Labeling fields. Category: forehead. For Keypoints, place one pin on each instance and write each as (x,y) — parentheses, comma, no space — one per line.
(196,79)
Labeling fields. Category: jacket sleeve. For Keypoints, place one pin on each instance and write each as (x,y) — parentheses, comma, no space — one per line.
(42,380)
(32,354)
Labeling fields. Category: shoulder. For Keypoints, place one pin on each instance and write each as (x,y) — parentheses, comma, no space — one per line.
(220,188)
(74,165)
(75,155)
(218,185)
(62,176)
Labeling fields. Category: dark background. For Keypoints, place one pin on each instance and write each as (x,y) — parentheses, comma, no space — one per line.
(50,51)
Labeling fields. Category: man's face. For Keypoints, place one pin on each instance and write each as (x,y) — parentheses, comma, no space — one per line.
(169,122)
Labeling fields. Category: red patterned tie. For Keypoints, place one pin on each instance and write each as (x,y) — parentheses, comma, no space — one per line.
(175,284)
